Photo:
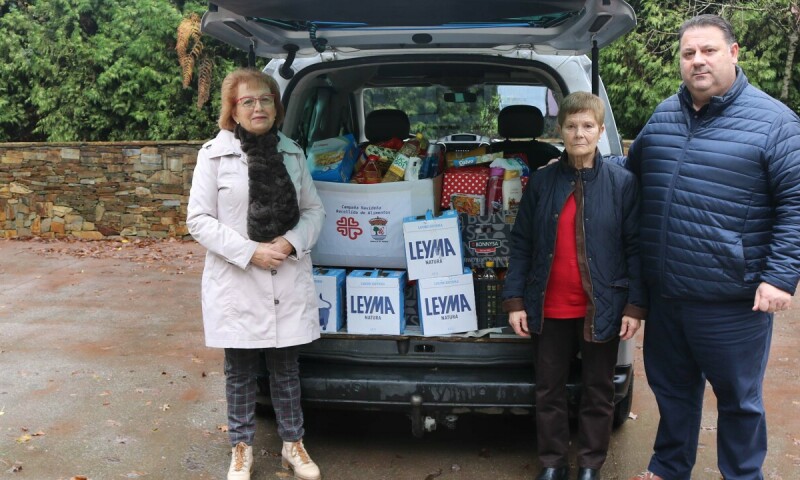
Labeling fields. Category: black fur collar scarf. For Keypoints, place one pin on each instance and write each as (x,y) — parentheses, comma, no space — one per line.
(273,208)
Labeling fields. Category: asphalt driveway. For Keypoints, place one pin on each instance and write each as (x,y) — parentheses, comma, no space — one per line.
(105,376)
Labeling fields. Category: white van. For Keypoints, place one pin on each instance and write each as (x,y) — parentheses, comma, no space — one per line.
(450,65)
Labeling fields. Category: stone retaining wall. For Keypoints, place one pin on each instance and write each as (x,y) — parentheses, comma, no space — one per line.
(95,190)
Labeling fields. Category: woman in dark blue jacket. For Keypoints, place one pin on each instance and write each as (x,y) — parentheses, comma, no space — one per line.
(574,281)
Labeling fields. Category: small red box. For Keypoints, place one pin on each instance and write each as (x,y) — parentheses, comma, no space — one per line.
(464,180)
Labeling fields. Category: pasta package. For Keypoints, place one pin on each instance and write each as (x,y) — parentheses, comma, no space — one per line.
(333,159)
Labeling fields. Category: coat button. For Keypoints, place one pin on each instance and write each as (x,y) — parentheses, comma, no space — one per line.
(277,301)
(274,272)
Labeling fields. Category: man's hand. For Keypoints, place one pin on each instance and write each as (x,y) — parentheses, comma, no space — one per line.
(519,322)
(771,299)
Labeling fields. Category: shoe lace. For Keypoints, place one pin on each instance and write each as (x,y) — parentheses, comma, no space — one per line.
(300,451)
(239,454)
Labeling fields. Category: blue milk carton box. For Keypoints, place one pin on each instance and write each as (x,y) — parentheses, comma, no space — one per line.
(447,304)
(375,301)
(329,283)
(433,245)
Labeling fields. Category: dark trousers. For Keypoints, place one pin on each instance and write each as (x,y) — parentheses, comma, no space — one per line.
(554,350)
(241,368)
(687,343)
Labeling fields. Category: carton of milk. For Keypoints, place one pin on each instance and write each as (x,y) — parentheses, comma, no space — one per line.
(433,245)
(375,300)
(447,304)
(329,283)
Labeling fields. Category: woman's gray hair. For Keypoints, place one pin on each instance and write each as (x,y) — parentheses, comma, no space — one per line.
(577,102)
(708,20)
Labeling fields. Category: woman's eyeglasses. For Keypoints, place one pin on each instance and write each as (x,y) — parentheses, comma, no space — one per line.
(266,100)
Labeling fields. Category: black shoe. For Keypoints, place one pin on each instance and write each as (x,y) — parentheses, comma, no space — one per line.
(550,473)
(588,473)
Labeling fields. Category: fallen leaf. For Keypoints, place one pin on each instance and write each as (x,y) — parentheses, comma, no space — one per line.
(222,428)
(15,468)
(433,475)
(633,416)
(264,452)
(79,477)
(38,434)
(165,407)
(281,474)
(24,438)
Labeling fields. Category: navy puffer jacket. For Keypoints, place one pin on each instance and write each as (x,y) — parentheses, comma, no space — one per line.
(606,198)
(720,195)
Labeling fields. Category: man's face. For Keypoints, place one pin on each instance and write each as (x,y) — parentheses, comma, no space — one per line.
(708,63)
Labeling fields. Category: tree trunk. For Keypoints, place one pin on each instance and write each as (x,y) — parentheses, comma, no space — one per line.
(787,71)
(794,8)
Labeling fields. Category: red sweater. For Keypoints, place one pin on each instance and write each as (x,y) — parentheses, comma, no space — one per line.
(565,297)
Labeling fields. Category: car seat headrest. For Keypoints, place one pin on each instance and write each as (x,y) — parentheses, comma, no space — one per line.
(381,125)
(520,121)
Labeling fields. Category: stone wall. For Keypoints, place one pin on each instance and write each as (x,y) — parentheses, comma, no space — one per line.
(95,190)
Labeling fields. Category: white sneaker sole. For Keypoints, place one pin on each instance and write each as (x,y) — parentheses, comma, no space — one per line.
(288,466)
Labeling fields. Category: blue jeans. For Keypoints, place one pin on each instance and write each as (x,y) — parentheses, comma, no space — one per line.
(687,343)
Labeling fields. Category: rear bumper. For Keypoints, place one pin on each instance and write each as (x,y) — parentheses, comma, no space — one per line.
(442,389)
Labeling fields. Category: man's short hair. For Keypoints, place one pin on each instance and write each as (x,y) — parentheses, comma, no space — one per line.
(708,20)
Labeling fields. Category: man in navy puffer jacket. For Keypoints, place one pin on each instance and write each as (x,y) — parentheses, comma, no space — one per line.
(719,166)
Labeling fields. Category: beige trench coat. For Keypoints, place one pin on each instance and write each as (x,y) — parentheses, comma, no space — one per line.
(245,306)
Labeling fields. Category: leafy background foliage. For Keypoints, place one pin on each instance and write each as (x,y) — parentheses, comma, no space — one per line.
(641,70)
(105,70)
(101,70)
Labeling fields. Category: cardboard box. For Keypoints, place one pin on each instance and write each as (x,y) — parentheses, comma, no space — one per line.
(329,283)
(364,223)
(433,245)
(447,304)
(471,180)
(375,301)
(333,159)
(487,237)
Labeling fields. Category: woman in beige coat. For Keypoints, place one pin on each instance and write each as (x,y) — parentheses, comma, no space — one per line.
(253,205)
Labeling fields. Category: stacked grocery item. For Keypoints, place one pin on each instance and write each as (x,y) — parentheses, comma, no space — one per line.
(434,259)
(340,159)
